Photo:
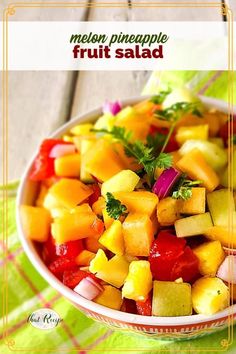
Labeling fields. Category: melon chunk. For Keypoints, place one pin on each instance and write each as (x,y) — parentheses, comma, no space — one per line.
(196,204)
(210,256)
(70,192)
(192,132)
(222,234)
(35,222)
(193,225)
(124,181)
(84,258)
(171,299)
(220,204)
(67,166)
(85,145)
(138,234)
(168,211)
(110,297)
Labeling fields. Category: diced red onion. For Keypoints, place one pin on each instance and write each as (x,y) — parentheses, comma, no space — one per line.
(60,150)
(227,270)
(88,288)
(111,107)
(165,182)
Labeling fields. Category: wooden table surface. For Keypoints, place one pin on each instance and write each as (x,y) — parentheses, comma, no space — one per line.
(39,102)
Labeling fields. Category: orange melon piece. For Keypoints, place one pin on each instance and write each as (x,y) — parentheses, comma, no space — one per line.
(99,205)
(144,107)
(129,162)
(110,297)
(102,161)
(84,258)
(196,204)
(67,166)
(35,222)
(168,211)
(70,192)
(42,194)
(196,167)
(107,219)
(138,234)
(92,244)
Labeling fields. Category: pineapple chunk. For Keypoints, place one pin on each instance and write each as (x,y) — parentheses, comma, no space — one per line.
(107,219)
(35,222)
(220,204)
(196,204)
(193,225)
(138,234)
(41,196)
(113,239)
(223,234)
(70,192)
(67,166)
(192,132)
(168,211)
(138,283)
(210,295)
(124,181)
(138,202)
(171,299)
(110,297)
(82,129)
(210,256)
(115,271)
(84,258)
(98,206)
(99,262)
(85,145)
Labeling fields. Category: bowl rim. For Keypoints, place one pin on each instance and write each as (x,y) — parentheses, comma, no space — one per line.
(75,298)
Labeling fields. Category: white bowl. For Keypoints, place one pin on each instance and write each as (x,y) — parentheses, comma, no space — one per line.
(160,327)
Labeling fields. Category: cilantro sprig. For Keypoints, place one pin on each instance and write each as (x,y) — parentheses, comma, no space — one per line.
(160,97)
(144,154)
(183,190)
(114,207)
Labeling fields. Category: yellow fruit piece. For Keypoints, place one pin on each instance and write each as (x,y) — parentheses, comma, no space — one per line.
(210,256)
(70,192)
(124,181)
(196,204)
(35,222)
(193,225)
(82,129)
(67,166)
(92,244)
(138,234)
(106,121)
(41,196)
(50,202)
(98,206)
(99,262)
(74,226)
(196,167)
(138,283)
(221,204)
(168,211)
(84,258)
(85,145)
(110,297)
(68,138)
(192,132)
(107,219)
(102,161)
(115,271)
(60,212)
(226,237)
(130,163)
(138,202)
(113,239)
(210,295)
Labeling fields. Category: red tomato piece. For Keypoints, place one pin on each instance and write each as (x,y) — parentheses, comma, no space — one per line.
(62,264)
(144,308)
(71,278)
(186,266)
(70,249)
(43,165)
(96,194)
(129,306)
(172,143)
(49,250)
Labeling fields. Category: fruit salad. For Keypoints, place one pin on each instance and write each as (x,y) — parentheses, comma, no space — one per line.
(133,209)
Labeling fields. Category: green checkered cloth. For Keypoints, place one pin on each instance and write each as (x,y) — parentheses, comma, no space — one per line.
(28,291)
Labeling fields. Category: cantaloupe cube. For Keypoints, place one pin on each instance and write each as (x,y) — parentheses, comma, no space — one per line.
(196,204)
(168,211)
(107,219)
(99,262)
(67,166)
(110,297)
(35,222)
(209,295)
(75,226)
(41,196)
(84,258)
(115,271)
(138,234)
(196,167)
(138,202)
(123,181)
(171,299)
(193,225)
(226,237)
(192,132)
(113,239)
(85,145)
(210,256)
(220,204)
(138,283)
(129,162)
(102,161)
(70,192)
(92,244)
(99,205)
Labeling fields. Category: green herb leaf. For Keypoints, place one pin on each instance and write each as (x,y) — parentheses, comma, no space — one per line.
(174,112)
(183,189)
(234,139)
(114,207)
(158,99)
(156,141)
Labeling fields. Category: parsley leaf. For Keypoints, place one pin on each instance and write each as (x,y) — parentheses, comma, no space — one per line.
(174,112)
(156,141)
(114,207)
(158,99)
(183,190)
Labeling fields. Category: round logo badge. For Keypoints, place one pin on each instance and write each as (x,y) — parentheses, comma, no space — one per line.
(44,319)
